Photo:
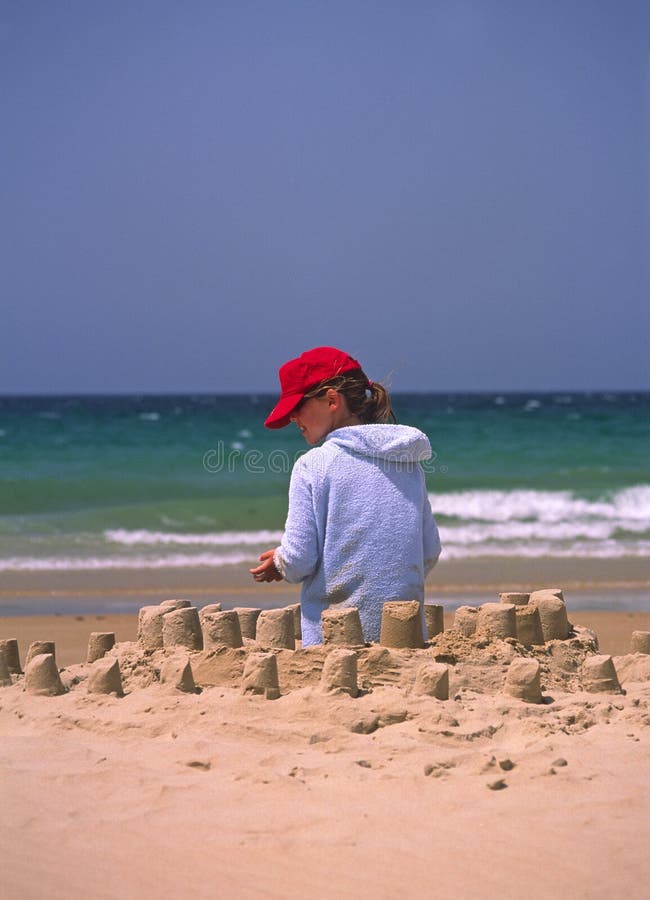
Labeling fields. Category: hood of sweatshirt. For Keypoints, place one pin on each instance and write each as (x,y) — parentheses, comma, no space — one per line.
(398,443)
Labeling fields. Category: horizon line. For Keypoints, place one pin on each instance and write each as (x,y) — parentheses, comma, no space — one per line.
(266,393)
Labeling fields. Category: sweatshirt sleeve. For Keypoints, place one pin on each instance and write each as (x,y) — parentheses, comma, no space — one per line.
(430,537)
(297,556)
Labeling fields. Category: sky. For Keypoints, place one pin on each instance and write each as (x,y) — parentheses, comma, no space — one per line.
(456,192)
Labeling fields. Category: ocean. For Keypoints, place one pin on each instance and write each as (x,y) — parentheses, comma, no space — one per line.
(89,483)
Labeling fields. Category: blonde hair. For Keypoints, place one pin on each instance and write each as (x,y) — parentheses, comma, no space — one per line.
(366,399)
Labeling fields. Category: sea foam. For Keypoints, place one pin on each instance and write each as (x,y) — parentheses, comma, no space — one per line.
(543,523)
(80,563)
(220,538)
(478,523)
(631,503)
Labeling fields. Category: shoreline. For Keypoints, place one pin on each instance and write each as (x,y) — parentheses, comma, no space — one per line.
(449,576)
(596,584)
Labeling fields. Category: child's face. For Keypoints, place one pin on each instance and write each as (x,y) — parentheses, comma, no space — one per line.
(313,418)
(317,416)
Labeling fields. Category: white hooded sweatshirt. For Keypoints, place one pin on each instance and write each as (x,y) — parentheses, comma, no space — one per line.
(359,530)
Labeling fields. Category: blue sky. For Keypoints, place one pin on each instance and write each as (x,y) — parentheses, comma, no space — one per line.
(454,192)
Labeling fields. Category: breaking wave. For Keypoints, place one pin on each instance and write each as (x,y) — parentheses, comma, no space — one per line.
(514,523)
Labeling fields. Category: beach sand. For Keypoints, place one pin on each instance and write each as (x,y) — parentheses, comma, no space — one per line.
(163,794)
(617,584)
(70,633)
(449,577)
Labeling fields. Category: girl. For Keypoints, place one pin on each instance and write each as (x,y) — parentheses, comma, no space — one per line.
(359,530)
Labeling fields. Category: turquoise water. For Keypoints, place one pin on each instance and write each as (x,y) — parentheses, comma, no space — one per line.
(100,482)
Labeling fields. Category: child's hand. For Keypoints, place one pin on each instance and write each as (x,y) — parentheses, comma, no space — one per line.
(267,571)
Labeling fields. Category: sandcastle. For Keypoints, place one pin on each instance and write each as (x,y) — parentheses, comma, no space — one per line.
(150,624)
(221,629)
(9,647)
(434,619)
(105,677)
(181,627)
(176,604)
(342,627)
(176,674)
(552,614)
(523,680)
(261,676)
(497,620)
(42,676)
(432,678)
(151,621)
(99,643)
(248,616)
(640,642)
(401,625)
(532,619)
(599,675)
(340,672)
(297,621)
(5,674)
(500,645)
(529,626)
(465,619)
(37,648)
(519,598)
(276,628)
(208,610)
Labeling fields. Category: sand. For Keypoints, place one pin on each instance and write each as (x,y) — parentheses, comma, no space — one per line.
(218,793)
(70,633)
(83,591)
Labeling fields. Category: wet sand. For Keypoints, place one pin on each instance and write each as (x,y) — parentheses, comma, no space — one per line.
(592,584)
(448,577)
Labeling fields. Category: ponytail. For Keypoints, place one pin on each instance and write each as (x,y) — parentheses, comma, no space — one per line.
(366,399)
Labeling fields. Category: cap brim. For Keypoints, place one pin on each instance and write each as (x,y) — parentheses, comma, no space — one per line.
(280,414)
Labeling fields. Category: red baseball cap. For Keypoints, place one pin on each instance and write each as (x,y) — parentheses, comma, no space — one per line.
(298,376)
